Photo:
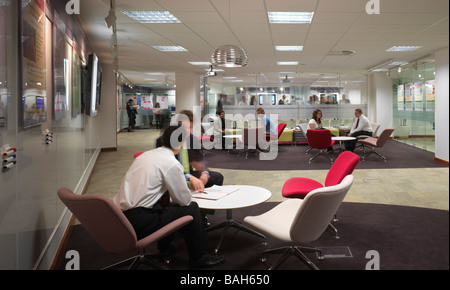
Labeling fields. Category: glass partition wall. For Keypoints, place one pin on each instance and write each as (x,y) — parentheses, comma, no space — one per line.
(413,102)
(293,100)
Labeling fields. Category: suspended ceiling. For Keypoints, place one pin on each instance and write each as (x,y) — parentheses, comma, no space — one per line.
(337,25)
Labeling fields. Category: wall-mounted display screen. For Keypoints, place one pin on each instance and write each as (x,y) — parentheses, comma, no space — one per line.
(93,85)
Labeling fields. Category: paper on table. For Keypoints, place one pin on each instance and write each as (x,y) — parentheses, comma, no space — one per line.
(214,192)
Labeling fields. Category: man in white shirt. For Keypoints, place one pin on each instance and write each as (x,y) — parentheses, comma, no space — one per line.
(361,126)
(151,175)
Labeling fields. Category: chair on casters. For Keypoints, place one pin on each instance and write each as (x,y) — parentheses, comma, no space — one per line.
(320,139)
(301,220)
(112,230)
(304,128)
(300,187)
(375,127)
(376,143)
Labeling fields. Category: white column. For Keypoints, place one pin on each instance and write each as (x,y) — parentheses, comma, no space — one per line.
(380,108)
(108,108)
(187,91)
(442,105)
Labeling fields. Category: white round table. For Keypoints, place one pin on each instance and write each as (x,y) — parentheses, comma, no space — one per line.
(245,196)
(340,139)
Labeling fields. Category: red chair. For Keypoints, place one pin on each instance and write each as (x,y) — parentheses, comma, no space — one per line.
(300,187)
(137,154)
(320,139)
(280,130)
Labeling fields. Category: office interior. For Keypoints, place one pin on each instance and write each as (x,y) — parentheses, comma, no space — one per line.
(68,67)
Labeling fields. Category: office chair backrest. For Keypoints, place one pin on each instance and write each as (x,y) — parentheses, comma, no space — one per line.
(343,166)
(319,139)
(317,209)
(102,219)
(304,129)
(375,127)
(384,136)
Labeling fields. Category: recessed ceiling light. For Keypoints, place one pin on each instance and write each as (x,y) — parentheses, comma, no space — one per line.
(170,48)
(200,63)
(152,16)
(289,48)
(287,63)
(398,63)
(215,69)
(290,17)
(403,48)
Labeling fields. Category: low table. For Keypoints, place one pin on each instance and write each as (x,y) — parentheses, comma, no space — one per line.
(340,139)
(245,196)
(234,137)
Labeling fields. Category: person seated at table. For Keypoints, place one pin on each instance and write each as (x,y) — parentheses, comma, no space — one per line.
(316,123)
(361,126)
(267,122)
(151,177)
(196,158)
(194,163)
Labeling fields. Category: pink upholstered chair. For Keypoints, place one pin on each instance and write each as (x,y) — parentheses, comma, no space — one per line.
(300,221)
(300,187)
(320,139)
(112,230)
(373,143)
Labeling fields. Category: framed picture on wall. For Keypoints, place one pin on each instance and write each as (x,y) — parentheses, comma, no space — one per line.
(33,108)
(76,89)
(3,111)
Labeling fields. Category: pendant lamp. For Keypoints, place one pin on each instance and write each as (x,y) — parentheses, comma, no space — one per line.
(229,56)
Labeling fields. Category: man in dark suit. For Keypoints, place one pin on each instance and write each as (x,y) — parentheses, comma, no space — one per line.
(131,112)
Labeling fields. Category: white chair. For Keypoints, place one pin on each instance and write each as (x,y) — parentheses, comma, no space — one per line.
(335,123)
(304,128)
(297,221)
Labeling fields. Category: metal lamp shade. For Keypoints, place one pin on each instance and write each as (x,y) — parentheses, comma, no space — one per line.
(229,56)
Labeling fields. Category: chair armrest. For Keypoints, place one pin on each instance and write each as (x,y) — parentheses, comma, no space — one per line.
(164,231)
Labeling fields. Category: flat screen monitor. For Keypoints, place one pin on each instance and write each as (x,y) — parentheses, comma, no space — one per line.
(93,85)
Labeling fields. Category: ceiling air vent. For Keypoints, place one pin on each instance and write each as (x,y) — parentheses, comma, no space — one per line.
(340,52)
